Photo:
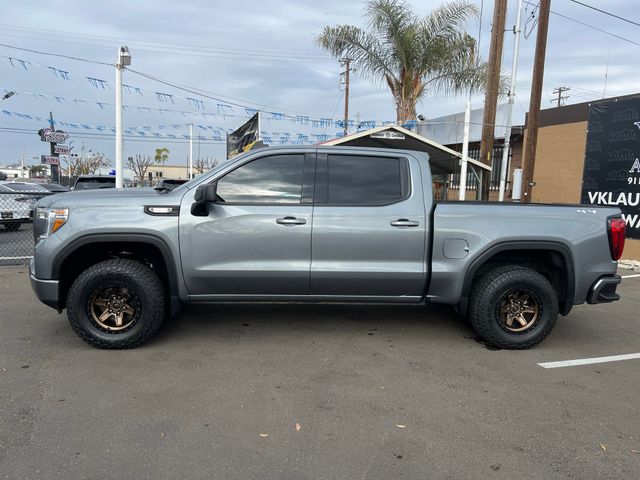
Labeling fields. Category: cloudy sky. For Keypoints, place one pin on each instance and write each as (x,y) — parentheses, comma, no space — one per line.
(253,54)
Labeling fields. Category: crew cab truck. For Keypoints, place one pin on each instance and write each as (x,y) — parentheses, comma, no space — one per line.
(318,224)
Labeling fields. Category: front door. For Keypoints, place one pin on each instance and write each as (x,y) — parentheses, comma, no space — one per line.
(256,239)
(369,227)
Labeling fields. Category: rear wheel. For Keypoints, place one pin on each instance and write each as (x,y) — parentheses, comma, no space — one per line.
(12,226)
(116,304)
(513,307)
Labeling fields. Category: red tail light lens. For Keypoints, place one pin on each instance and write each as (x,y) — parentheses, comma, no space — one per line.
(616,237)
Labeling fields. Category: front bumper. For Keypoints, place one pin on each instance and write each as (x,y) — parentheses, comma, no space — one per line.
(604,290)
(47,291)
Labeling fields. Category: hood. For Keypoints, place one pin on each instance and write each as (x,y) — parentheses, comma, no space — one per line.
(111,196)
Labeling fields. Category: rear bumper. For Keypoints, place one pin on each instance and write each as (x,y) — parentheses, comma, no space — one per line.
(47,291)
(604,290)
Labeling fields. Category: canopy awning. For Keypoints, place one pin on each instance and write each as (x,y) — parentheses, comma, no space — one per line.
(443,160)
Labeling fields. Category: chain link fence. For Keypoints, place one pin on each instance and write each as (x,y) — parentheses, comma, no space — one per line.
(16,226)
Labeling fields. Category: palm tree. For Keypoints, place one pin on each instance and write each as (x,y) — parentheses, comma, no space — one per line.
(415,56)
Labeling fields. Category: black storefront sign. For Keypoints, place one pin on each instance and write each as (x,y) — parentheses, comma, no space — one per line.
(612,166)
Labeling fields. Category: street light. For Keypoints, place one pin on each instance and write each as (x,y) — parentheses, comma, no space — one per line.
(124,60)
(8,94)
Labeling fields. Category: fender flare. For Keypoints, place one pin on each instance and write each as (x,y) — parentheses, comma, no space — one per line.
(147,238)
(546,245)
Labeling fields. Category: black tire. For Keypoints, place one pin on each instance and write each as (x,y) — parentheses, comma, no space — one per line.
(499,290)
(12,226)
(145,292)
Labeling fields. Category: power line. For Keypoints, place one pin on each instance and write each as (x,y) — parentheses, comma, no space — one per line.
(39,52)
(173,46)
(588,25)
(606,13)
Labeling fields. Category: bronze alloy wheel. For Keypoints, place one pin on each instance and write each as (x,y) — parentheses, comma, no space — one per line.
(114,309)
(518,310)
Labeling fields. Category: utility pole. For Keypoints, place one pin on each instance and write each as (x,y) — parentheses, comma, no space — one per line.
(190,151)
(55,169)
(504,166)
(346,62)
(124,60)
(491,94)
(561,98)
(534,105)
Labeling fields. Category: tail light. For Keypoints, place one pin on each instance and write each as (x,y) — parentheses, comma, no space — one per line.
(616,237)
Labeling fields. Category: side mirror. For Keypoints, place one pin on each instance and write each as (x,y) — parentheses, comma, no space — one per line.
(204,194)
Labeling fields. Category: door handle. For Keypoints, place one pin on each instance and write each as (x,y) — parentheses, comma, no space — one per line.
(403,222)
(291,221)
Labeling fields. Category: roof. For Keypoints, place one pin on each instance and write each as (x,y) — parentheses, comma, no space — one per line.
(443,160)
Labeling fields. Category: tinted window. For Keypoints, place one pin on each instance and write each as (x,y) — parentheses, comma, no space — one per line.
(274,179)
(353,180)
(91,183)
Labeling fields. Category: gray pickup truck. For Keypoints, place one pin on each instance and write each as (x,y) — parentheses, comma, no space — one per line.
(318,224)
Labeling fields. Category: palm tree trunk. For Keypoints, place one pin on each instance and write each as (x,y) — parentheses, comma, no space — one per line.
(405,109)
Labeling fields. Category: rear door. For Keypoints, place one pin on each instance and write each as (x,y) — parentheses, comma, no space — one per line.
(369,227)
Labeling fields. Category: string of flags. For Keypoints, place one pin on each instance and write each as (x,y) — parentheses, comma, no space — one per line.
(206,132)
(203,107)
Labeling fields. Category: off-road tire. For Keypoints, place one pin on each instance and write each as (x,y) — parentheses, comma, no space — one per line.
(492,287)
(136,277)
(12,226)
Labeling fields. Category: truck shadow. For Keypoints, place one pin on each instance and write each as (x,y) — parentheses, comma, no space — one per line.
(237,321)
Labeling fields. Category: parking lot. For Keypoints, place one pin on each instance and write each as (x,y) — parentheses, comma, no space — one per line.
(317,392)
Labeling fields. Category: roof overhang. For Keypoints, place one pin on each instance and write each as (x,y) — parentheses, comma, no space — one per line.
(443,160)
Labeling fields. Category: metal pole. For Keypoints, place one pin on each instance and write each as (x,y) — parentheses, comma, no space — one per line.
(119,143)
(512,98)
(465,151)
(347,63)
(191,150)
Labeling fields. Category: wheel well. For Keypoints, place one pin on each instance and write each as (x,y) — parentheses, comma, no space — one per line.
(87,255)
(554,265)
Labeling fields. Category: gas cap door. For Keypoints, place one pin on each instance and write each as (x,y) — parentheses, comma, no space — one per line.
(455,248)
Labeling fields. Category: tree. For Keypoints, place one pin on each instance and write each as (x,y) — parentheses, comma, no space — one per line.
(201,165)
(139,166)
(79,165)
(37,171)
(413,55)
(162,155)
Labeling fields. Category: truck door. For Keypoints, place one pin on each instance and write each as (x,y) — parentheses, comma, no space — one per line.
(256,239)
(369,227)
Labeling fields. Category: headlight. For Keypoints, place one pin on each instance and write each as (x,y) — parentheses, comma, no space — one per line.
(54,219)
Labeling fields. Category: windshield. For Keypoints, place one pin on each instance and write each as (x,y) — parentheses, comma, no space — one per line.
(24,187)
(95,183)
(195,180)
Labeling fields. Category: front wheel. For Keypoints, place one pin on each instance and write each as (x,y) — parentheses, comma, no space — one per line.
(116,304)
(513,307)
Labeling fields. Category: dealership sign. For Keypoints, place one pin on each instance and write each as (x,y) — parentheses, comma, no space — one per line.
(49,160)
(53,136)
(388,135)
(612,159)
(61,149)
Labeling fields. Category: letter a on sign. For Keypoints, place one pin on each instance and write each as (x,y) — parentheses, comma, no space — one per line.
(636,167)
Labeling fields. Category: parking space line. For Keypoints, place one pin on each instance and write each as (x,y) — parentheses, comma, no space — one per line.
(589,361)
(630,276)
(16,258)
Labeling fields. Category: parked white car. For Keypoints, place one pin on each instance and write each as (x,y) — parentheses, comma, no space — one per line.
(16,208)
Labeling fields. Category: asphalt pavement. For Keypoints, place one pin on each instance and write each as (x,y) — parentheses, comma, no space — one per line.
(317,392)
